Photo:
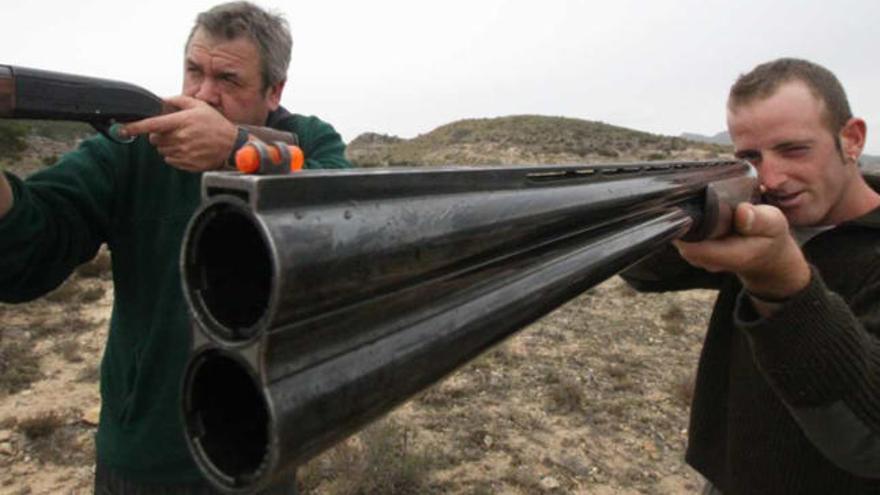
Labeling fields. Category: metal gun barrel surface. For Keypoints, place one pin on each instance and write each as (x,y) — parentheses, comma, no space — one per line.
(41,94)
(321,301)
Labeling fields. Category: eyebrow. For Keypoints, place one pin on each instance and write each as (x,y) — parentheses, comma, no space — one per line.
(753,153)
(228,74)
(790,144)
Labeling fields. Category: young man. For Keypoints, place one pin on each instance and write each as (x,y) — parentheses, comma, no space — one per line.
(787,396)
(138,198)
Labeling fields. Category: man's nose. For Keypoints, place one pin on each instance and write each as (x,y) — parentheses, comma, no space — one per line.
(771,173)
(207,92)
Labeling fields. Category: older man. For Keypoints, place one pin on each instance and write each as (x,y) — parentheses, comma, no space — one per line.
(137,198)
(787,395)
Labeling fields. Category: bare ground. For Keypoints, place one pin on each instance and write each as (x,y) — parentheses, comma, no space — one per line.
(591,399)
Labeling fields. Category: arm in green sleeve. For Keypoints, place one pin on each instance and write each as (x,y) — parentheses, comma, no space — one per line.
(59,219)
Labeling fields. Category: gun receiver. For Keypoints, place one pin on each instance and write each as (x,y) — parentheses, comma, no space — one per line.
(321,300)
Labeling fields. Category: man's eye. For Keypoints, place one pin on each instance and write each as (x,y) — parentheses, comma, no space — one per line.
(796,151)
(749,156)
(228,78)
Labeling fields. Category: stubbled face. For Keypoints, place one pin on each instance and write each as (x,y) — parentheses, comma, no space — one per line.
(799,166)
(226,75)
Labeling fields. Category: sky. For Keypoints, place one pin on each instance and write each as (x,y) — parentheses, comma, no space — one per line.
(405,67)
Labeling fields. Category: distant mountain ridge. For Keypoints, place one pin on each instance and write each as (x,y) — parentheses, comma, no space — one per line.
(526,139)
(722,137)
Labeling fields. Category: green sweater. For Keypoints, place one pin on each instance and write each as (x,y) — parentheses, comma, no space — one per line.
(127,197)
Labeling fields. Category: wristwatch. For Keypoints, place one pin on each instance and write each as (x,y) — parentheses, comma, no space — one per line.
(240,139)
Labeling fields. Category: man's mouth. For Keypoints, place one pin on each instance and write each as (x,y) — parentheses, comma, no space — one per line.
(785,201)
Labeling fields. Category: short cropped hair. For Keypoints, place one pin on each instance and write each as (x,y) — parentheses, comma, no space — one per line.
(766,78)
(268,30)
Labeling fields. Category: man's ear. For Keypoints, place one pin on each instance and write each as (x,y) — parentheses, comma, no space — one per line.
(852,139)
(273,94)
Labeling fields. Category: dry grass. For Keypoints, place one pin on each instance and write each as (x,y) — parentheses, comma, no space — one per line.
(41,424)
(99,267)
(381,459)
(91,294)
(52,437)
(89,374)
(69,349)
(64,293)
(675,319)
(67,445)
(566,394)
(19,365)
(683,389)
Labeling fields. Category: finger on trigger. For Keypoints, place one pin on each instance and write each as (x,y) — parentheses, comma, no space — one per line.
(158,124)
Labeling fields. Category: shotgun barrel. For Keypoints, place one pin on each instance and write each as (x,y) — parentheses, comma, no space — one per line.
(321,300)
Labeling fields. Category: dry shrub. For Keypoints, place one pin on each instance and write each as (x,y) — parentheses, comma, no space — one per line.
(442,395)
(675,319)
(623,373)
(69,349)
(19,365)
(625,290)
(89,374)
(91,294)
(683,389)
(524,478)
(42,327)
(41,424)
(66,445)
(99,267)
(382,461)
(72,290)
(64,293)
(567,395)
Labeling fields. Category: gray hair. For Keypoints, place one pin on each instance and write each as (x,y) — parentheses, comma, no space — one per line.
(268,30)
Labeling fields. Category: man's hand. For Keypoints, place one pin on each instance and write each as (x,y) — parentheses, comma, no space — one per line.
(6,197)
(196,138)
(761,252)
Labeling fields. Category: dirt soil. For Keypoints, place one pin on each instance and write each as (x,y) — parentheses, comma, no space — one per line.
(591,399)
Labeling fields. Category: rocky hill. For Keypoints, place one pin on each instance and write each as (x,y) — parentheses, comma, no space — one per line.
(525,139)
(722,137)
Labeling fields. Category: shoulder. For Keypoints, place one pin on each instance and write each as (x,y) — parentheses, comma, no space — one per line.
(308,127)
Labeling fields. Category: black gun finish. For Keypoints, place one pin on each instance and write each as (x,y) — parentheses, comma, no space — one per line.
(44,95)
(321,300)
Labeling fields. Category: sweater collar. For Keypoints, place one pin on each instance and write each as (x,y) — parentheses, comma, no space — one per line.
(872,218)
(276,116)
